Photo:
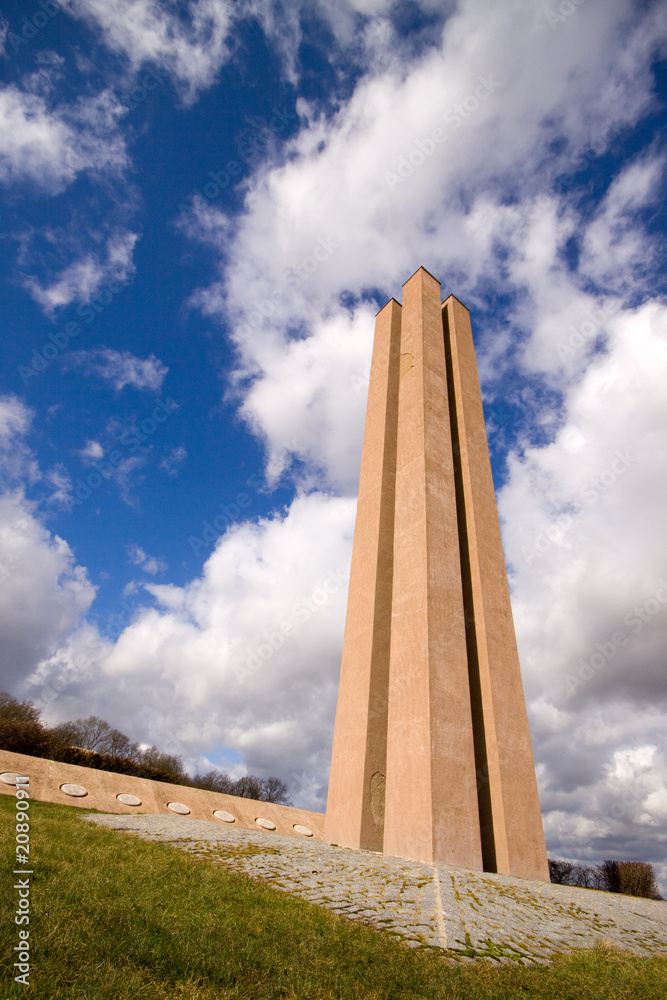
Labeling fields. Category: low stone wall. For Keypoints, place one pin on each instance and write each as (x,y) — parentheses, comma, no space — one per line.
(88,788)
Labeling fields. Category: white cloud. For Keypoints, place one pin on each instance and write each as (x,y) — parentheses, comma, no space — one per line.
(616,252)
(127,477)
(326,373)
(59,478)
(17,462)
(92,451)
(581,527)
(44,593)
(50,147)
(524,88)
(149,564)
(191,46)
(172,462)
(121,368)
(82,280)
(213,657)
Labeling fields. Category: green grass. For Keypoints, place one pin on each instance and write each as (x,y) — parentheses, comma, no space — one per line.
(117,918)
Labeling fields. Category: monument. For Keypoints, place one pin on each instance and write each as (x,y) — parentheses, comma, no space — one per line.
(431,755)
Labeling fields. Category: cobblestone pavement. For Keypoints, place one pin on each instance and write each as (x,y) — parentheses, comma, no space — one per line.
(470,914)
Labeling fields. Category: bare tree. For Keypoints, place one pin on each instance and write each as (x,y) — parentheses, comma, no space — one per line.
(560,872)
(88,734)
(117,746)
(275,790)
(597,878)
(579,876)
(249,787)
(214,781)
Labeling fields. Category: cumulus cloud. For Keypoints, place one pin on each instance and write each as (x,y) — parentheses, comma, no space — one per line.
(44,593)
(52,146)
(190,45)
(121,368)
(580,519)
(82,280)
(246,656)
(323,226)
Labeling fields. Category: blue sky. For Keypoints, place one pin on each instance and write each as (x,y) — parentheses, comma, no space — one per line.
(203,206)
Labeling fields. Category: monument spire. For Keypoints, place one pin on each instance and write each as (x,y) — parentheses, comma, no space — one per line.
(431,757)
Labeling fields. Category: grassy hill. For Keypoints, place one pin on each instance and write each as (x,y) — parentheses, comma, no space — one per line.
(116,918)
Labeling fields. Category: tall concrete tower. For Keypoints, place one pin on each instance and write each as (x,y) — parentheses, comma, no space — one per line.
(431,756)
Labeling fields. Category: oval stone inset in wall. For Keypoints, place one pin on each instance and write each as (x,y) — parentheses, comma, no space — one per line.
(178,807)
(224,816)
(78,791)
(128,800)
(265,824)
(9,777)
(303,830)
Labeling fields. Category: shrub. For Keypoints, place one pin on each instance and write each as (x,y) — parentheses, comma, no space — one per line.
(632,878)
(23,736)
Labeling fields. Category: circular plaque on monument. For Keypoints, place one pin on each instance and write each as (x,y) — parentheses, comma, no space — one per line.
(303,830)
(9,777)
(265,824)
(224,816)
(76,791)
(128,800)
(178,807)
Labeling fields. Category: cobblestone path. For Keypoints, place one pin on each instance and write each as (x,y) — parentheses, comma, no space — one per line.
(470,914)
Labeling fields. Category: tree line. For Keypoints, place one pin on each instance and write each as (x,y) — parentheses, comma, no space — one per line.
(92,742)
(632,878)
